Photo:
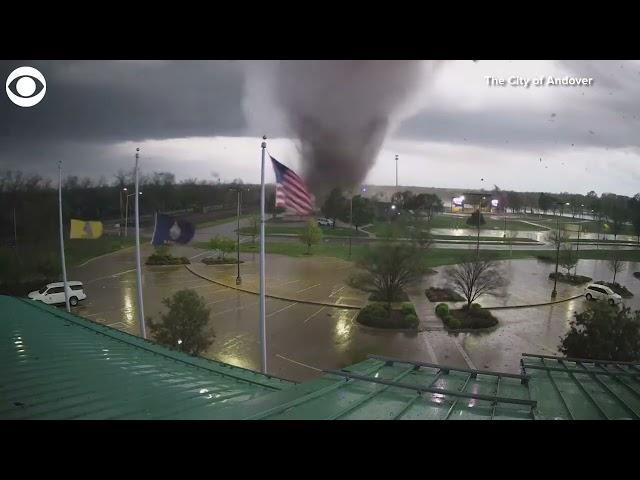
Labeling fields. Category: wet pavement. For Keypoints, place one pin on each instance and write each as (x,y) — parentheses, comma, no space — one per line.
(303,339)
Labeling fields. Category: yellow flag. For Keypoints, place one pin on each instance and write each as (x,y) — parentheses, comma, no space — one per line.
(86,230)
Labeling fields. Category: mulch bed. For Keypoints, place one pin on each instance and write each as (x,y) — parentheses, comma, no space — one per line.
(572,279)
(617,288)
(436,294)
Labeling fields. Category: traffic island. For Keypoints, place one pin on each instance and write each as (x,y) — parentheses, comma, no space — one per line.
(617,288)
(465,318)
(571,279)
(382,315)
(159,258)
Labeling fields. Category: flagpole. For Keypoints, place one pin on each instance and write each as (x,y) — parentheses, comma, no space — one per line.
(64,266)
(143,332)
(263,336)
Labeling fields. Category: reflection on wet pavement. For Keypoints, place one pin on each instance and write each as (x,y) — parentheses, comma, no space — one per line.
(304,339)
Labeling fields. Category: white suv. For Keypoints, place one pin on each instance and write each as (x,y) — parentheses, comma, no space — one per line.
(595,291)
(53,293)
(324,222)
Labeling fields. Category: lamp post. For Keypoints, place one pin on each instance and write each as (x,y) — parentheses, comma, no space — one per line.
(554,292)
(396,173)
(239,192)
(126,212)
(478,241)
(120,193)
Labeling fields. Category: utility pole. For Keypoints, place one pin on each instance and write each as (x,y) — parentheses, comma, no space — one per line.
(64,265)
(396,173)
(143,331)
(262,304)
(238,278)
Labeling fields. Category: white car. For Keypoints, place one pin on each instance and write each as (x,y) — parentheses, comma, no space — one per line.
(53,293)
(595,291)
(324,222)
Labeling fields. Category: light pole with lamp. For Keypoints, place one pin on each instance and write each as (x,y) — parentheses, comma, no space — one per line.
(554,292)
(239,192)
(396,173)
(126,213)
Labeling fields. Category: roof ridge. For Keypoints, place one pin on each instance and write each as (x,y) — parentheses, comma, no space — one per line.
(145,344)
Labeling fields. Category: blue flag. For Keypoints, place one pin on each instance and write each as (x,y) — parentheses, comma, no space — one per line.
(170,229)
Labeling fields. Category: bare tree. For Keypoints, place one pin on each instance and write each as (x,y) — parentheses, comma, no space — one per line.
(568,259)
(390,267)
(475,278)
(616,265)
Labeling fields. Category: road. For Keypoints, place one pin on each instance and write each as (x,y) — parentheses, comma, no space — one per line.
(304,339)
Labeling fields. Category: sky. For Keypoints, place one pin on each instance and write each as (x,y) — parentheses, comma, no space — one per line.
(205,120)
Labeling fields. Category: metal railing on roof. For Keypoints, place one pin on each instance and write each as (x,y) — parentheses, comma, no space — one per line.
(420,389)
(390,361)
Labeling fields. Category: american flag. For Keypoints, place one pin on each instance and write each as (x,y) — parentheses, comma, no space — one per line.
(291,191)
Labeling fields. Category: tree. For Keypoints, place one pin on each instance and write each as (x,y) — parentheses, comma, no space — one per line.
(390,267)
(515,201)
(473,219)
(253,228)
(545,202)
(568,259)
(184,326)
(311,234)
(270,205)
(634,208)
(474,278)
(615,264)
(604,332)
(335,206)
(420,233)
(363,212)
(223,244)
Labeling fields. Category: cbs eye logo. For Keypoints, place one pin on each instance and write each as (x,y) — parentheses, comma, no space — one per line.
(26,86)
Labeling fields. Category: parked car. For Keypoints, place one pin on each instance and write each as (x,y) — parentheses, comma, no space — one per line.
(595,291)
(53,293)
(324,222)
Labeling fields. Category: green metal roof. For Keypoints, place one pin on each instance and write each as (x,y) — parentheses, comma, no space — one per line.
(57,365)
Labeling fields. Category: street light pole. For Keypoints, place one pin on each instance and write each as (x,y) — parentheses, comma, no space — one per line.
(143,331)
(396,173)
(238,279)
(126,214)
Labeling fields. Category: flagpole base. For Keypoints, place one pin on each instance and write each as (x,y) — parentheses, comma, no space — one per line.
(238,281)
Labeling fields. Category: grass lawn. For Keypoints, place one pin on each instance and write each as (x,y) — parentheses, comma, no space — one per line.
(326,231)
(473,238)
(447,221)
(220,221)
(79,251)
(450,221)
(435,257)
(589,226)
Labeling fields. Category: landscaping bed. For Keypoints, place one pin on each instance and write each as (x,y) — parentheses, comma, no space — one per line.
(571,279)
(166,259)
(617,288)
(220,261)
(474,318)
(437,294)
(401,297)
(379,315)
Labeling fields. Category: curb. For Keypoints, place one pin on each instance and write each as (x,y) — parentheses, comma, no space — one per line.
(277,297)
(534,304)
(105,255)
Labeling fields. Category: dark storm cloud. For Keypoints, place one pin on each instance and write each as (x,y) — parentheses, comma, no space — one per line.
(606,116)
(512,129)
(103,102)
